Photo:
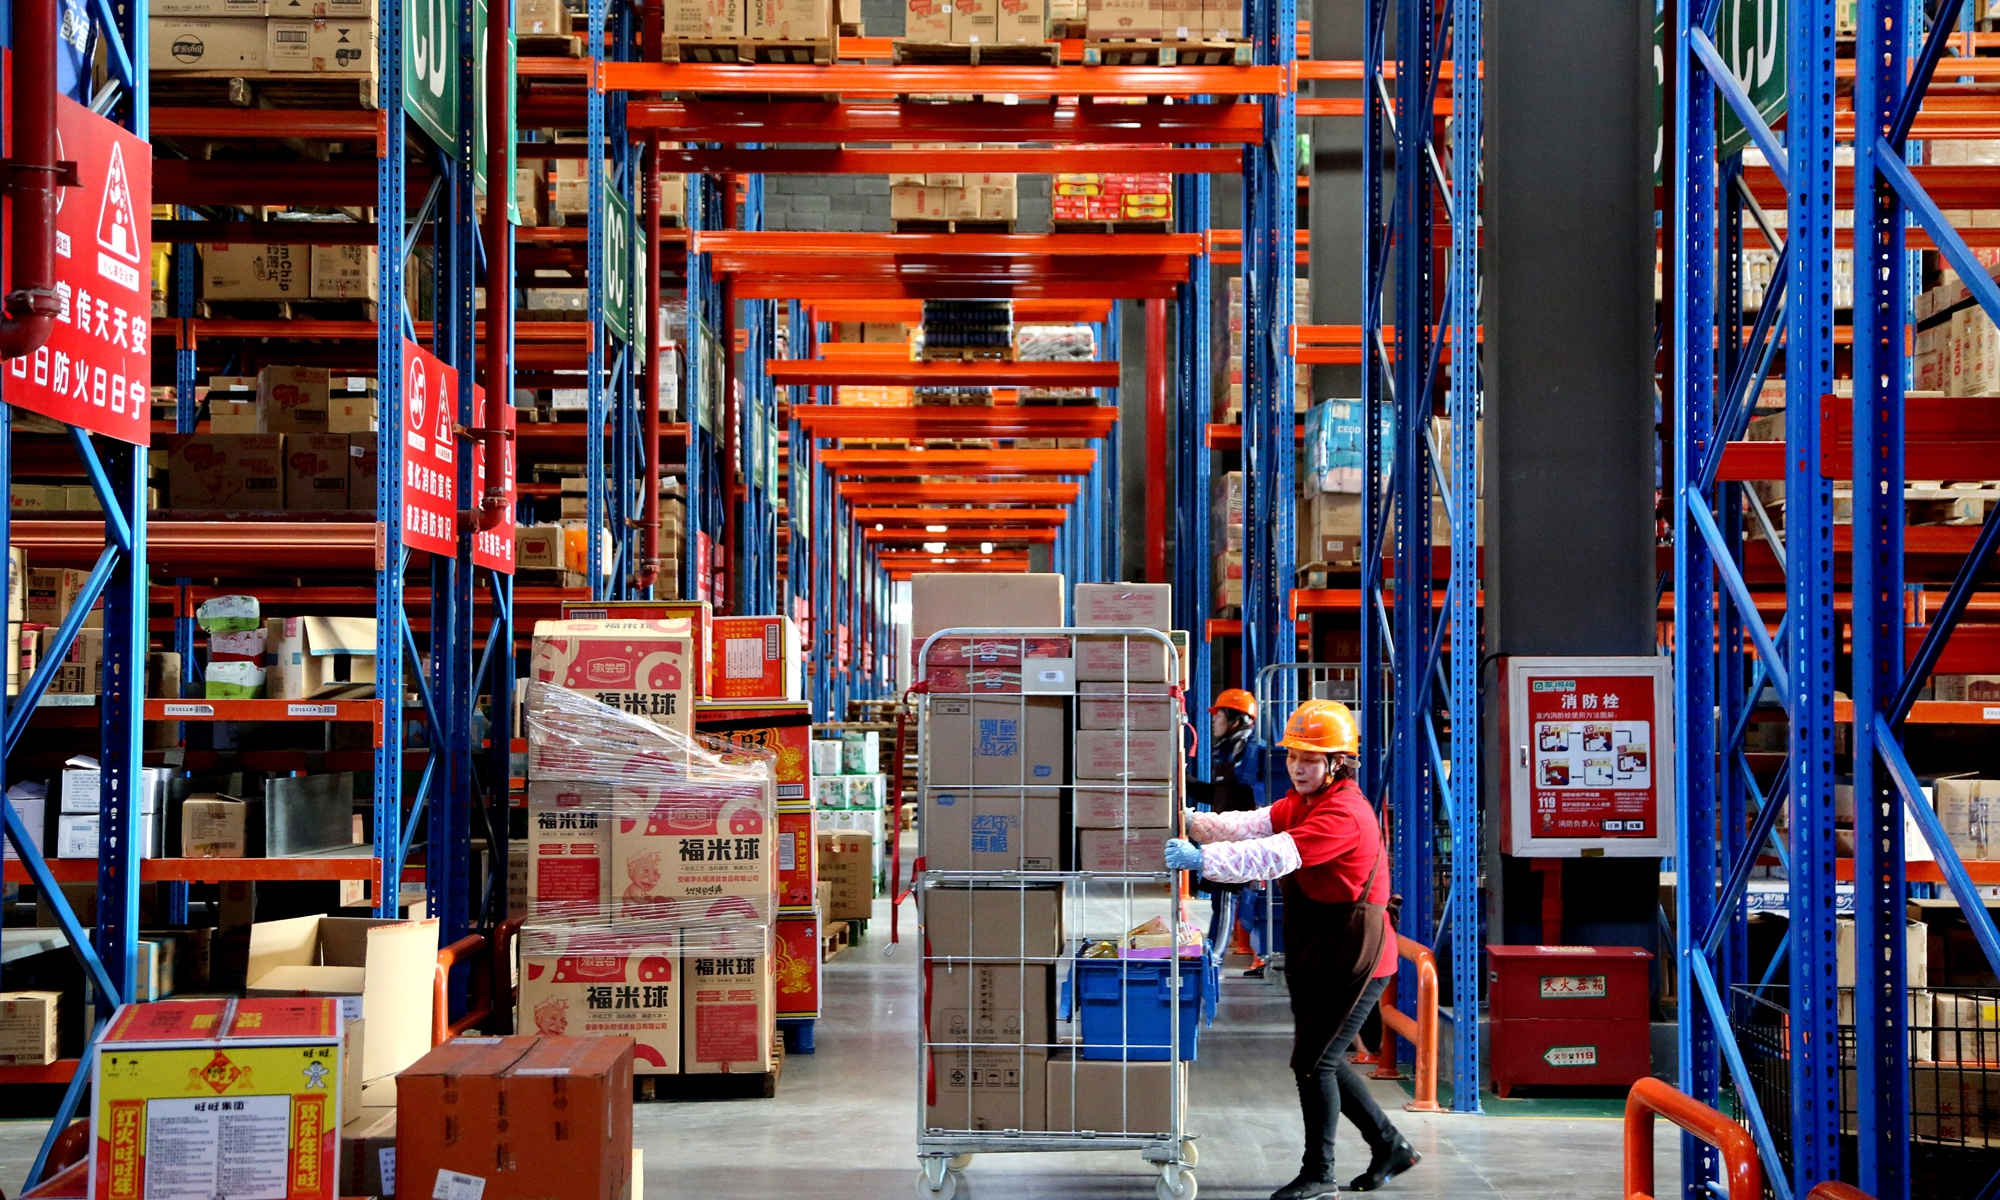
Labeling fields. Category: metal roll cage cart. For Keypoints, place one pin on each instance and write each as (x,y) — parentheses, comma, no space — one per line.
(1077,901)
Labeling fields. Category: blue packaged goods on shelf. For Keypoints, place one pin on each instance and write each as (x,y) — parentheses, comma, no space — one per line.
(1124,1007)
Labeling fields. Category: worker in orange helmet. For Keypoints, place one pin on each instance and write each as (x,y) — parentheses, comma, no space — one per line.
(1322,843)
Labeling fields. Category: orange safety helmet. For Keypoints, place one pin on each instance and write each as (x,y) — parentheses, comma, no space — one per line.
(1235,700)
(1322,727)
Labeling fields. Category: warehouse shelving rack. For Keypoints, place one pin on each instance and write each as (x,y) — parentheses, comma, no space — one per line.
(1727,816)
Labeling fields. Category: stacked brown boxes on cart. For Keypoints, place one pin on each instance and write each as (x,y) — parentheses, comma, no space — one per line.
(1128,739)
(651,881)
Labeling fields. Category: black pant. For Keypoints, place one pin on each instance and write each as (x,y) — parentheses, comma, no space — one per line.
(1334,1072)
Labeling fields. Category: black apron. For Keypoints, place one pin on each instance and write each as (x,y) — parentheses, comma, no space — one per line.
(1331,951)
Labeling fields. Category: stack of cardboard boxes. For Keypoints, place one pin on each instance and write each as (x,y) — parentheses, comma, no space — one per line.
(1160,20)
(652,886)
(1128,741)
(954,195)
(976,22)
(1232,412)
(319,37)
(849,792)
(296,439)
(693,26)
(1969,810)
(1226,508)
(1093,197)
(271,271)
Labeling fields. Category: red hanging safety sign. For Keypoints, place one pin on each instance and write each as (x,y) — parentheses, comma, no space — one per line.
(494,548)
(430,452)
(95,371)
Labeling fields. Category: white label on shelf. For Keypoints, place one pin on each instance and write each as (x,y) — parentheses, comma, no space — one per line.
(312,710)
(453,1186)
(67,700)
(1990,714)
(190,710)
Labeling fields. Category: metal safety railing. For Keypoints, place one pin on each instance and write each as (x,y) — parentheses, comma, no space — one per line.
(492,975)
(1651,1098)
(1421,1030)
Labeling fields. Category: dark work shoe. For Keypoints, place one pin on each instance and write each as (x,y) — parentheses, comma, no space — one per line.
(1385,1164)
(1308,1186)
(1256,970)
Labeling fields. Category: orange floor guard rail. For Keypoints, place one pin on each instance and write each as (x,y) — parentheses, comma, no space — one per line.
(1652,1097)
(1420,1031)
(491,987)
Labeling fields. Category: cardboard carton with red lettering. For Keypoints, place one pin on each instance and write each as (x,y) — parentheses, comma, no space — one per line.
(645,668)
(607,995)
(756,658)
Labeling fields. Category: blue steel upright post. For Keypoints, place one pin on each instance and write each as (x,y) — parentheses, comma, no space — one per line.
(1194,340)
(391,180)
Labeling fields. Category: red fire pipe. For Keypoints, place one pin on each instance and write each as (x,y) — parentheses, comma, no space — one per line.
(649,533)
(32,178)
(1156,441)
(499,269)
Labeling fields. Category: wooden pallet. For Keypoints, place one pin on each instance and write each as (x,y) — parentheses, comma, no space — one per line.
(821,51)
(1150,225)
(924,225)
(1165,52)
(262,89)
(549,45)
(968,353)
(852,29)
(760,1086)
(1064,29)
(833,938)
(972,54)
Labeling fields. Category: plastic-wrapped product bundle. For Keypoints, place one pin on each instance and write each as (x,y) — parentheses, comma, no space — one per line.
(651,887)
(1055,343)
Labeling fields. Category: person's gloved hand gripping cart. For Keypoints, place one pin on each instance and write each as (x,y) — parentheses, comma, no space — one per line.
(1322,843)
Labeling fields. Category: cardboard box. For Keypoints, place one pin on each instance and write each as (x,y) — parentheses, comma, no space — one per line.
(796,950)
(293,399)
(253,9)
(316,472)
(246,270)
(1109,706)
(993,829)
(1222,19)
(798,859)
(362,491)
(28,1028)
(1136,658)
(1968,1027)
(1916,950)
(518,1117)
(321,657)
(230,472)
(1114,807)
(569,850)
(999,203)
(728,1018)
(213,44)
(390,964)
(944,600)
(646,668)
(927,21)
(782,729)
(756,658)
(48,595)
(695,19)
(1015,741)
(1089,1096)
(961,203)
(1113,19)
(344,272)
(78,835)
(368,1153)
(362,415)
(82,787)
(604,995)
(847,871)
(286,45)
(274,1092)
(1125,606)
(218,826)
(548,17)
(34,814)
(703,848)
(999,921)
(790,20)
(974,21)
(1122,849)
(909,202)
(538,547)
(989,1090)
(81,668)
(1130,755)
(1022,21)
(1005,1004)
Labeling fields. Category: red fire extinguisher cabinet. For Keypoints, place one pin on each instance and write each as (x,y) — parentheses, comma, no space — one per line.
(1569,1015)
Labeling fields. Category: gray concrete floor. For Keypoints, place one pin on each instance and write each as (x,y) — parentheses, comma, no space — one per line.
(844,1122)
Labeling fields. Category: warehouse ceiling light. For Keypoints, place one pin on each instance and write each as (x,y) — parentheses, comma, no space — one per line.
(932,528)
(934,547)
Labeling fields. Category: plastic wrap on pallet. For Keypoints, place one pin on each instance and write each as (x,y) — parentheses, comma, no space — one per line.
(1055,343)
(642,839)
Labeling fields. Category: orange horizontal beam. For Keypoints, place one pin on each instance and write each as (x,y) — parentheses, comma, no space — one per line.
(233,548)
(1944,437)
(973,535)
(1230,437)
(820,121)
(959,462)
(1010,491)
(215,870)
(1351,106)
(1025,281)
(810,372)
(1026,312)
(817,246)
(1026,160)
(944,516)
(358,125)
(868,79)
(829,421)
(1948,187)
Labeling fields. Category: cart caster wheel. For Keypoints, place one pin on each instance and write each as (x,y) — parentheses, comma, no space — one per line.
(939,1183)
(1190,1156)
(960,1161)
(1176,1183)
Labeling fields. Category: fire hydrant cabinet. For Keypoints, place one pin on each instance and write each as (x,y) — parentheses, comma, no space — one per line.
(1569,1015)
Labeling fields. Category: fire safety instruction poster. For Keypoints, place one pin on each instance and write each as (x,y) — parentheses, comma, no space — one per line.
(1590,745)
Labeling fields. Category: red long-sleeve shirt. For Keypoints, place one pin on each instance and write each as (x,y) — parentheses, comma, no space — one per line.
(1338,842)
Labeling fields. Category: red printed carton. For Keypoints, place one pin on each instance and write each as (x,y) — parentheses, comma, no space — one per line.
(646,668)
(607,995)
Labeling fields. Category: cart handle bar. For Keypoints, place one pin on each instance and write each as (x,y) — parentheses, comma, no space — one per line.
(1421,1030)
(1652,1097)
(483,1002)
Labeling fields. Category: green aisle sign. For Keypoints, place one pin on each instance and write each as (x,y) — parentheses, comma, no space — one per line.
(1751,38)
(617,263)
(430,69)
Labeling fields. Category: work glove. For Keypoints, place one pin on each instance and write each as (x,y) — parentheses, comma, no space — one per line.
(1183,855)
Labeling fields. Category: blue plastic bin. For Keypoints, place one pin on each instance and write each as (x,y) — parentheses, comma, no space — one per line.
(1123,1006)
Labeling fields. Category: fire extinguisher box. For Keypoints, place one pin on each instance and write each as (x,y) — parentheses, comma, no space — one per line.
(1569,1015)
